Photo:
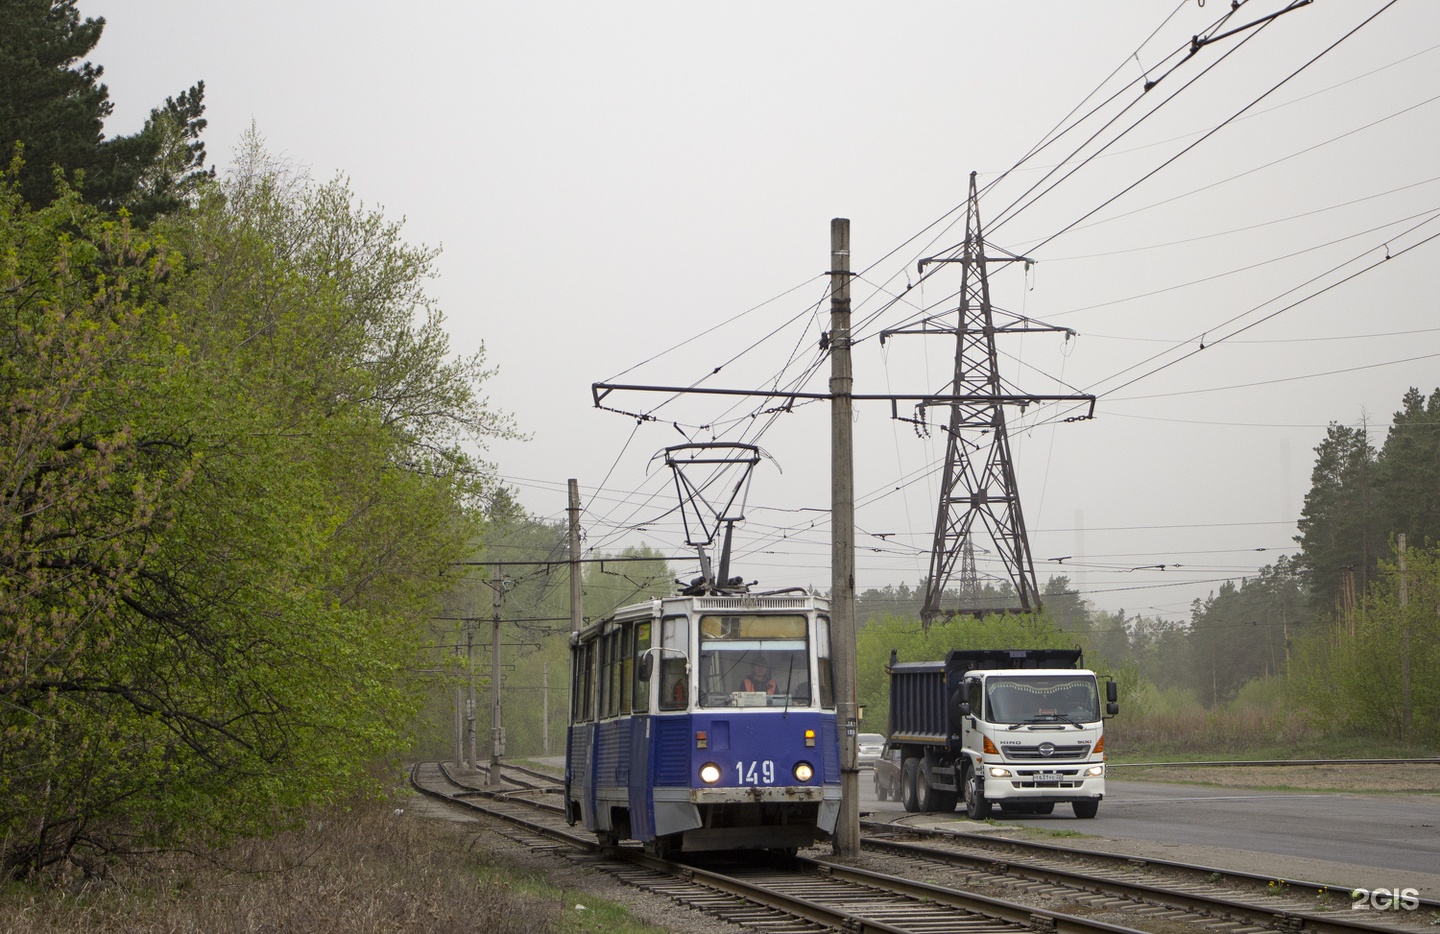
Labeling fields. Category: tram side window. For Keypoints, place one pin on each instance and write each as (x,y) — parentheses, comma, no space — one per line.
(602,677)
(589,693)
(640,689)
(822,662)
(674,651)
(582,680)
(612,674)
(625,676)
(575,656)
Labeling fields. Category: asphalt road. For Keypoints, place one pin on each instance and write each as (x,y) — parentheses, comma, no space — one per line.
(1395,836)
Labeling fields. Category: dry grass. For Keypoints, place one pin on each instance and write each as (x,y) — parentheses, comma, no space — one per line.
(355,871)
(1196,731)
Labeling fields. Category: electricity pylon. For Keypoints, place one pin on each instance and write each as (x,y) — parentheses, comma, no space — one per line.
(978,491)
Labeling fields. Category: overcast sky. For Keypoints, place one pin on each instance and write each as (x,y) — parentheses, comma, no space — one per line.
(642,193)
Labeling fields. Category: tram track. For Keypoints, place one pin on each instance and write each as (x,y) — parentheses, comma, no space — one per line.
(784,895)
(1012,885)
(1203,895)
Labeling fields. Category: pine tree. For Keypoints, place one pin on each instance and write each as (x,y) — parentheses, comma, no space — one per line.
(1408,471)
(53,109)
(1341,530)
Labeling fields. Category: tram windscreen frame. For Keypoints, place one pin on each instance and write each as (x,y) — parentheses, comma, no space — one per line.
(732,644)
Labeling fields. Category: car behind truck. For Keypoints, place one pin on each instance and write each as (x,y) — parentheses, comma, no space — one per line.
(1018,728)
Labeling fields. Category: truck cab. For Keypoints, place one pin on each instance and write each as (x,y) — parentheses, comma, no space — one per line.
(1019,728)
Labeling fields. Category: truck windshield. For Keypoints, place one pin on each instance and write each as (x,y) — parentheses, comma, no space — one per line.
(1042,698)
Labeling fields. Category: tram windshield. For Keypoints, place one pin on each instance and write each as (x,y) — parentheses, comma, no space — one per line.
(754,661)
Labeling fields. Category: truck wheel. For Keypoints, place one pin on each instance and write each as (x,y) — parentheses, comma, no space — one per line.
(924,790)
(907,785)
(1085,809)
(927,795)
(976,807)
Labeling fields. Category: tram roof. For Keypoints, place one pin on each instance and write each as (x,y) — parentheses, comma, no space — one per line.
(727,603)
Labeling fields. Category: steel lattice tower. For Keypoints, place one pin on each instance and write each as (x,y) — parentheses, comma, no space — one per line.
(978,492)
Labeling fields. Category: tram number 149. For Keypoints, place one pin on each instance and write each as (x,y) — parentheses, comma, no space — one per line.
(755,773)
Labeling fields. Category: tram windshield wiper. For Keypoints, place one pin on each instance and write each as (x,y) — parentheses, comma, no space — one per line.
(789,687)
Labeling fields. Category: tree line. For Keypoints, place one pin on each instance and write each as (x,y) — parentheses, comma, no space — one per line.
(1345,631)
(1346,653)
(236,472)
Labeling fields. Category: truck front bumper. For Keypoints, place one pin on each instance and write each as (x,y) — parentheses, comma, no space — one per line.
(1040,784)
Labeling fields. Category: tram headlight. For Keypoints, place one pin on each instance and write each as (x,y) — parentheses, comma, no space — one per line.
(804,771)
(709,773)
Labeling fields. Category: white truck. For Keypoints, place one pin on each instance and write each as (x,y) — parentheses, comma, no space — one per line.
(1019,728)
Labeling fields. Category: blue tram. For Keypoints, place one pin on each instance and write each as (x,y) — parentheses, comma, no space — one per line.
(705,722)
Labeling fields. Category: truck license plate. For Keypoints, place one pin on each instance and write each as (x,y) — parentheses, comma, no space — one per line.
(1048,778)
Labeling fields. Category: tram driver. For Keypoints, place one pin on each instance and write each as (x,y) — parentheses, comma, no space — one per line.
(760,678)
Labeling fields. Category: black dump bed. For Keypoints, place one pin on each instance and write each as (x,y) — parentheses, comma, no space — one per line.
(963,660)
(920,691)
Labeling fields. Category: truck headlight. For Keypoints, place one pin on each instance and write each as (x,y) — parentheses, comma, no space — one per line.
(709,773)
(1095,771)
(997,772)
(804,771)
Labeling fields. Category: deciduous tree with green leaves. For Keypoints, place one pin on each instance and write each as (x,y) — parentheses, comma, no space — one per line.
(1353,677)
(87,492)
(240,474)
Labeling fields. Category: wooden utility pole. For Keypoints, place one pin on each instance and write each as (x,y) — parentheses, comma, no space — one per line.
(842,541)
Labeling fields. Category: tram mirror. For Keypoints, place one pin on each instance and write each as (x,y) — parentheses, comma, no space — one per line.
(647,666)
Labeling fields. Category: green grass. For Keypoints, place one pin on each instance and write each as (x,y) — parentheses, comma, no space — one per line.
(594,916)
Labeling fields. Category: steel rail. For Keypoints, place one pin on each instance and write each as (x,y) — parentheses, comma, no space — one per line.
(862,908)
(1196,872)
(1209,905)
(1111,764)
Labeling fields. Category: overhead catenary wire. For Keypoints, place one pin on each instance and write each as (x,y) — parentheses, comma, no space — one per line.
(1207,135)
(753,422)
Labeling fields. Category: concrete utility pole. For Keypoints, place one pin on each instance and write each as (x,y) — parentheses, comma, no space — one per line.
(497,732)
(842,541)
(1406,712)
(577,595)
(474,759)
(460,707)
